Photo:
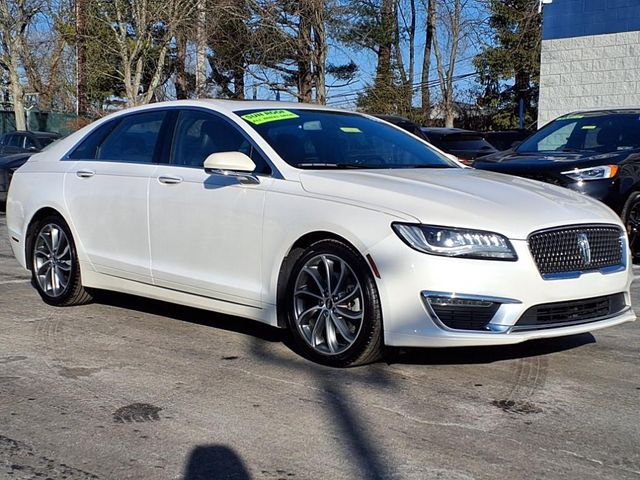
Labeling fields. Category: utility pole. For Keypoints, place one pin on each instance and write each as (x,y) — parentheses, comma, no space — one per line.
(81,57)
(201,43)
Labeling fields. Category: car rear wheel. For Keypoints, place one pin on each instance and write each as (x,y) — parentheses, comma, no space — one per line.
(333,308)
(631,219)
(54,264)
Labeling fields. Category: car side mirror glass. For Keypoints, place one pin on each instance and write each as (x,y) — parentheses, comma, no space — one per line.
(231,164)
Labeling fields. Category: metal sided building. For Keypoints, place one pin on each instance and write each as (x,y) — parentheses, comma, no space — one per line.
(590,56)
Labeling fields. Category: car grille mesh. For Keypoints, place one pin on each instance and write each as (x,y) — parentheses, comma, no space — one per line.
(574,312)
(559,250)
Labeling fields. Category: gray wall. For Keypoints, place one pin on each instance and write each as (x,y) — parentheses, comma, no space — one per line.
(589,72)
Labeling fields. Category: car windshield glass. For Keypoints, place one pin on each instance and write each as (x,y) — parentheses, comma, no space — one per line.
(316,139)
(598,132)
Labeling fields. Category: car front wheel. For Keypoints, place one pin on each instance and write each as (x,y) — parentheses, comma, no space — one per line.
(333,306)
(631,218)
(54,264)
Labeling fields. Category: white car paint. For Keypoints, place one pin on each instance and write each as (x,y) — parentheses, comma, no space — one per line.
(215,243)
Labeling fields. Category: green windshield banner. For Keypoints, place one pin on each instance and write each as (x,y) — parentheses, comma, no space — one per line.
(266,116)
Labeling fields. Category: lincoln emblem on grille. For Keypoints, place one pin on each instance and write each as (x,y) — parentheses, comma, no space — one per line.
(585,248)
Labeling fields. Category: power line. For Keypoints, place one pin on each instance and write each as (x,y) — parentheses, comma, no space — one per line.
(346,97)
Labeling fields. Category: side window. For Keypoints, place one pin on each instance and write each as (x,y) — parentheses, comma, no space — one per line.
(199,134)
(86,150)
(134,139)
(15,141)
(29,142)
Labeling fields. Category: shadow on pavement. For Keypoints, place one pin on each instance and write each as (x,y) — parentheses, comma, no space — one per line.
(192,315)
(209,462)
(477,355)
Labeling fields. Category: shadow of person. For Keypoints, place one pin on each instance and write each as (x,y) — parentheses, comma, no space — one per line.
(215,462)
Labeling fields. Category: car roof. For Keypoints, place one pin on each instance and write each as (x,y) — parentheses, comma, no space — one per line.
(605,111)
(35,133)
(392,118)
(446,131)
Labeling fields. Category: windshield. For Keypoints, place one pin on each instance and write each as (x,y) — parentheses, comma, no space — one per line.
(597,132)
(320,139)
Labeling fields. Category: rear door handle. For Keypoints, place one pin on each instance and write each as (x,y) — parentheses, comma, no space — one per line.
(169,179)
(85,173)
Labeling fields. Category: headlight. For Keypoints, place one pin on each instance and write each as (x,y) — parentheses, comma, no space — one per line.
(455,242)
(592,173)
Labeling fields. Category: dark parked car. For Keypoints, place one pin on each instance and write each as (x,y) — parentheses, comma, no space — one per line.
(593,152)
(464,144)
(404,123)
(25,141)
(8,165)
(506,139)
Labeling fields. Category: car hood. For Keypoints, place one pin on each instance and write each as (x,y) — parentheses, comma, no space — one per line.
(512,160)
(14,161)
(458,197)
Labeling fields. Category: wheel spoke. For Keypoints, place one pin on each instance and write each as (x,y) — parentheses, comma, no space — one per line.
(342,328)
(47,242)
(63,247)
(336,290)
(55,240)
(317,329)
(330,334)
(343,312)
(316,278)
(44,268)
(327,269)
(52,281)
(349,297)
(65,266)
(307,312)
(307,292)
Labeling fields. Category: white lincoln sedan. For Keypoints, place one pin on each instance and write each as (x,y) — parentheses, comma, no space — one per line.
(340,227)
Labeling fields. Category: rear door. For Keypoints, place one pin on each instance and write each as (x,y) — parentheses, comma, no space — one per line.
(106,192)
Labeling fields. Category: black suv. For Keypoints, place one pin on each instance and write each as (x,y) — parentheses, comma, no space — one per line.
(593,152)
(467,145)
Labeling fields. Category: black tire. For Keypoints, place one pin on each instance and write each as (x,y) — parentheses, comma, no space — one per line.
(631,218)
(73,292)
(367,346)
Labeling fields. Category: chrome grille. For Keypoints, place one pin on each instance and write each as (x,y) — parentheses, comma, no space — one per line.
(560,251)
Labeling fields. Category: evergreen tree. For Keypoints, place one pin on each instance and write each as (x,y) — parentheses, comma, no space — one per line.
(510,69)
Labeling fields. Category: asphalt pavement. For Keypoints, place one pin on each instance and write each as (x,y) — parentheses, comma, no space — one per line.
(128,388)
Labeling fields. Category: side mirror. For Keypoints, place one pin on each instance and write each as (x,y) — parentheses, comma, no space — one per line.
(231,164)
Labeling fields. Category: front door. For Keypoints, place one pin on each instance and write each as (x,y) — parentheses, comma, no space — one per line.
(206,230)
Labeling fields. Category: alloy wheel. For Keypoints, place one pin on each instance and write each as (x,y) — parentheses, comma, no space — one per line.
(328,305)
(633,228)
(52,260)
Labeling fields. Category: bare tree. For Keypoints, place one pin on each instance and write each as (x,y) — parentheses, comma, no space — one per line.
(456,22)
(142,33)
(430,28)
(15,18)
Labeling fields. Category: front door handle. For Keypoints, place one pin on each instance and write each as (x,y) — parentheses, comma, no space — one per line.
(169,179)
(85,173)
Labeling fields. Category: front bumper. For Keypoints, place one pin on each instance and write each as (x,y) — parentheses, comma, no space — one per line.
(408,320)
